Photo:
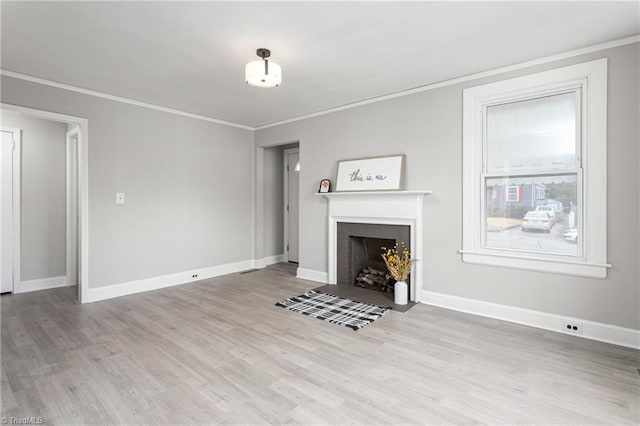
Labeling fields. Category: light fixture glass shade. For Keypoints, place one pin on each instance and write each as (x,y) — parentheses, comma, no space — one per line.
(254,74)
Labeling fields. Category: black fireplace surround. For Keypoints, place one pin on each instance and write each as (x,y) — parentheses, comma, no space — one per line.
(359,245)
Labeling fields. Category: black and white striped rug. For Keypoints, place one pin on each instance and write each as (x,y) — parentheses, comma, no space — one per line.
(334,309)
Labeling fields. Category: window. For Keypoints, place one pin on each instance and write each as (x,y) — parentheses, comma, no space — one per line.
(534,184)
(512,193)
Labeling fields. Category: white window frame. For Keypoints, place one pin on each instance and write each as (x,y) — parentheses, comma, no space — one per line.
(590,81)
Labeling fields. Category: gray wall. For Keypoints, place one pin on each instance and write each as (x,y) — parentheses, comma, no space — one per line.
(188,186)
(43,196)
(427,127)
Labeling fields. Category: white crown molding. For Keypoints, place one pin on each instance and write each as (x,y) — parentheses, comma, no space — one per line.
(602,332)
(122,99)
(496,71)
(514,67)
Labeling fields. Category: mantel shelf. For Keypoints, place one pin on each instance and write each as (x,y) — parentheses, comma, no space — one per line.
(373,193)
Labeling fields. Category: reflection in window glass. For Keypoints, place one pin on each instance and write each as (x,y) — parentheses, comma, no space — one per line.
(534,213)
(534,134)
(512,193)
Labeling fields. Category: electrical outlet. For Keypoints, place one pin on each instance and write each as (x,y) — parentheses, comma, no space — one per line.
(194,276)
(572,327)
(119,197)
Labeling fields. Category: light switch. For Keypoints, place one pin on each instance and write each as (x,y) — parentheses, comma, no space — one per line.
(119,197)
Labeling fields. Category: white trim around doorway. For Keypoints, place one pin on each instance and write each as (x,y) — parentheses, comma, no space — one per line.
(73,139)
(15,205)
(83,188)
(285,199)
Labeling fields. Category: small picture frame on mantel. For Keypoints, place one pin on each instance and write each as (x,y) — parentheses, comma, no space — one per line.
(371,174)
(325,186)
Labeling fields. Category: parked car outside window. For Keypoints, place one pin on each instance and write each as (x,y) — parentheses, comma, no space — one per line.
(537,221)
(550,211)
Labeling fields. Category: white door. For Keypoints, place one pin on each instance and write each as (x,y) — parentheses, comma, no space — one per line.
(6,212)
(293,178)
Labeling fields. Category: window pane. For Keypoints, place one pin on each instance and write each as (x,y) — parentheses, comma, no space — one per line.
(533,134)
(535,213)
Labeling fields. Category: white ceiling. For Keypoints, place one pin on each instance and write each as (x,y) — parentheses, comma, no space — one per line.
(191,56)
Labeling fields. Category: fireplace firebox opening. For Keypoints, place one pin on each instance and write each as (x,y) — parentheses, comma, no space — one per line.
(366,261)
(359,254)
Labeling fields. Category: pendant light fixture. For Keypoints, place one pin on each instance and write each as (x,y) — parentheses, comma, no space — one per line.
(263,73)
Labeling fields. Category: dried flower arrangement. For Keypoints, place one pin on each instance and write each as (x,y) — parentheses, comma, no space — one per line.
(398,261)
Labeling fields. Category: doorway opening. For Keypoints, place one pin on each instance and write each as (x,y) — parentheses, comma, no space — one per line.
(43,238)
(278,200)
(291,203)
(9,207)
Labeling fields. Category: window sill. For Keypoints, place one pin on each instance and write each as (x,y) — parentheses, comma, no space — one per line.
(556,266)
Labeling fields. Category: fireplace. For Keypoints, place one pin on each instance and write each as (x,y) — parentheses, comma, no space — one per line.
(359,249)
(378,208)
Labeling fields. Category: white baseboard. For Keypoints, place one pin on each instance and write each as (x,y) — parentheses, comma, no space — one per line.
(40,284)
(270,260)
(155,283)
(311,275)
(590,330)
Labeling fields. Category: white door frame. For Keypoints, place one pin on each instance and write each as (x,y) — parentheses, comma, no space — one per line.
(72,143)
(16,166)
(83,188)
(285,154)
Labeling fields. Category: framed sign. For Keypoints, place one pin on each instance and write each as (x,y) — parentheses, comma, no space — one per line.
(371,174)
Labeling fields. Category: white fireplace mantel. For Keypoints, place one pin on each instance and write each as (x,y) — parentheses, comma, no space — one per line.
(382,207)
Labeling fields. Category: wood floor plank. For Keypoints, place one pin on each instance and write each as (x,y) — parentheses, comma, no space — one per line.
(219,351)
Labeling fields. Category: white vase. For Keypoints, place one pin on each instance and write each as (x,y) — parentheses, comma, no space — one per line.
(400,293)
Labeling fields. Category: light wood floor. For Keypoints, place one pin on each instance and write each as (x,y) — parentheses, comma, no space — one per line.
(219,352)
